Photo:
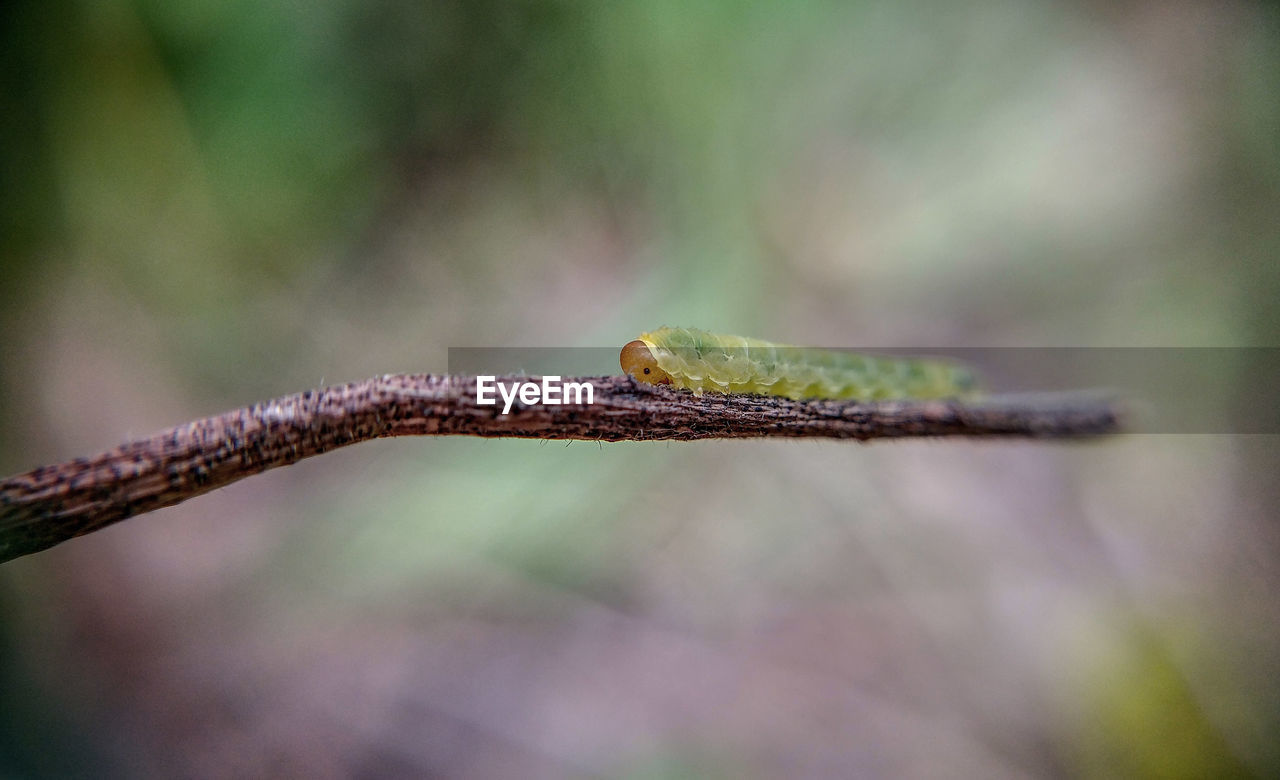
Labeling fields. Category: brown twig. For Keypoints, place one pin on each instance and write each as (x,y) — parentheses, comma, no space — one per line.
(55,503)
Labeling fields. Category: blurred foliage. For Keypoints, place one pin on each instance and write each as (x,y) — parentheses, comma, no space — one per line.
(1143,718)
(206,204)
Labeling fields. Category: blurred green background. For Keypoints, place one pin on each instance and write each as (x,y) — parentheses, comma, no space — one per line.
(208,204)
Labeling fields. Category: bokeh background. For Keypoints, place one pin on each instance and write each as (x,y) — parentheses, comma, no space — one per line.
(209,204)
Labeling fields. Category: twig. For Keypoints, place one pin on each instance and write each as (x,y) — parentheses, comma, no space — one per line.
(55,503)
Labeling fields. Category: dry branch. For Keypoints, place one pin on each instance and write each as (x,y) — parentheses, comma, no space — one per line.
(55,503)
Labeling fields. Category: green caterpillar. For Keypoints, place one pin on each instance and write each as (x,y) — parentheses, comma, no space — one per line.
(700,361)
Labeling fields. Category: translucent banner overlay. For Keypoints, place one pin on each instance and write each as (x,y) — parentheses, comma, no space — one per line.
(1163,389)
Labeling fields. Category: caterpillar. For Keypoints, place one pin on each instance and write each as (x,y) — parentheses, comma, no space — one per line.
(700,361)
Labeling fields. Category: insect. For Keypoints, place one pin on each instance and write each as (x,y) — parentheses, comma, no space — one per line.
(700,361)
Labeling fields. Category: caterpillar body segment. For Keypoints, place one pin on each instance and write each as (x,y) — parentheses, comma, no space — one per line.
(701,361)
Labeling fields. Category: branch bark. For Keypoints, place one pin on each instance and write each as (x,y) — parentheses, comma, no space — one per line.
(55,503)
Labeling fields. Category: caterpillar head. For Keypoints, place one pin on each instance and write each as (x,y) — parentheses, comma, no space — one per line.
(639,362)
